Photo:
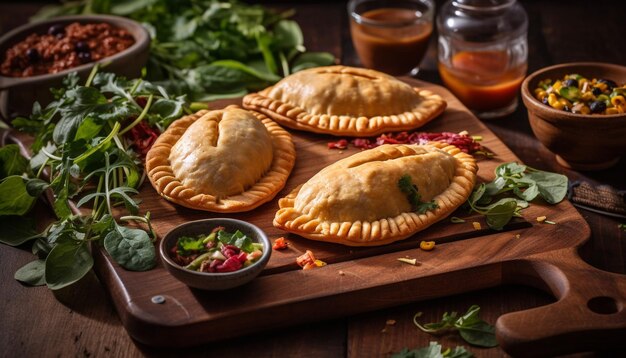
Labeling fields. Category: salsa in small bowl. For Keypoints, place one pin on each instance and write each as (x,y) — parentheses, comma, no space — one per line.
(215,254)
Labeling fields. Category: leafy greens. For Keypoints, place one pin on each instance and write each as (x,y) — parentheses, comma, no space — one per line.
(409,189)
(210,49)
(522,184)
(87,145)
(434,350)
(472,329)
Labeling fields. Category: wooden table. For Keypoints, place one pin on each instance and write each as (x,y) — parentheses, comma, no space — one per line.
(80,320)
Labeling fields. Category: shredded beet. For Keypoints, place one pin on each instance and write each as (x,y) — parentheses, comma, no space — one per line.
(464,142)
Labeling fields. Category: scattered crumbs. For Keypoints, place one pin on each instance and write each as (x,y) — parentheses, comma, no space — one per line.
(463,133)
(408,261)
(389,322)
(476,225)
(427,245)
(477,138)
(541,219)
(341,273)
(517,236)
(341,152)
(550,222)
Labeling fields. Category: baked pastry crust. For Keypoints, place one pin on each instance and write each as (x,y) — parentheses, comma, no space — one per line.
(228,160)
(357,202)
(346,101)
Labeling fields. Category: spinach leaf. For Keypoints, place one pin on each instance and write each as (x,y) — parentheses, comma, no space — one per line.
(187,245)
(524,182)
(131,248)
(33,273)
(67,262)
(551,186)
(11,161)
(17,230)
(35,187)
(15,199)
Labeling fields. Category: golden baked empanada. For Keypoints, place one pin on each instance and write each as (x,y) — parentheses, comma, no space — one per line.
(358,201)
(226,160)
(346,101)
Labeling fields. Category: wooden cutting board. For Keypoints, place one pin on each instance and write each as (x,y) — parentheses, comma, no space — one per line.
(590,306)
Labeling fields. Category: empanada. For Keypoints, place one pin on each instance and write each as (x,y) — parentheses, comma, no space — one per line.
(226,160)
(346,101)
(358,201)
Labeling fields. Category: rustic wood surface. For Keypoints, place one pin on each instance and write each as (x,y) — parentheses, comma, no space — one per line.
(81,320)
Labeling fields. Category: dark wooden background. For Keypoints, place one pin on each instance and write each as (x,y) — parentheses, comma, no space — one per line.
(80,320)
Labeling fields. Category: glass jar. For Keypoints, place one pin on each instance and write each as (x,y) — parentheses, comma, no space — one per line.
(483,53)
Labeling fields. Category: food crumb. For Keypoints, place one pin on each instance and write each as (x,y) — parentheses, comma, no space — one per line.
(341,273)
(541,219)
(476,225)
(517,236)
(280,244)
(427,245)
(408,261)
(390,322)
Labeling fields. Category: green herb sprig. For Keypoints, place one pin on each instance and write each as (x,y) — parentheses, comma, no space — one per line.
(511,191)
(434,350)
(407,187)
(472,329)
(210,49)
(82,151)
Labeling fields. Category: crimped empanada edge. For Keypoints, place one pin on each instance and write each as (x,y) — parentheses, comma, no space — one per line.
(387,230)
(162,178)
(298,118)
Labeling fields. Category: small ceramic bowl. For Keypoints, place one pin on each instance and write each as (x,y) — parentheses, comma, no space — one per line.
(19,93)
(582,142)
(208,280)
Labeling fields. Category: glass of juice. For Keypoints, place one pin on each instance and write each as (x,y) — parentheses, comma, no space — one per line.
(483,52)
(391,36)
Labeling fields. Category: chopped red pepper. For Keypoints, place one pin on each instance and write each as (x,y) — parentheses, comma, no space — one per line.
(306,259)
(340,144)
(280,244)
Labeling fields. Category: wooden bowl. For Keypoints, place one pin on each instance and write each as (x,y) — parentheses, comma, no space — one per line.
(208,280)
(582,142)
(19,93)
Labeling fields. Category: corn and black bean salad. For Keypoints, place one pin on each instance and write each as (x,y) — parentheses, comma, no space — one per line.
(577,94)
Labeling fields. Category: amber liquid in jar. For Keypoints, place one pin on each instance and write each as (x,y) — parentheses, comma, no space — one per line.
(397,45)
(483,80)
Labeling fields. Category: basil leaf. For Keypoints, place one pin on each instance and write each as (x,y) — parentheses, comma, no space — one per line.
(530,192)
(33,273)
(477,194)
(67,262)
(11,161)
(509,169)
(15,199)
(17,230)
(131,248)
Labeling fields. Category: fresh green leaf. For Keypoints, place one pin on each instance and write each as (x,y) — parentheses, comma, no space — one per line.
(11,161)
(510,169)
(312,59)
(287,34)
(237,238)
(17,230)
(405,184)
(187,245)
(434,350)
(67,263)
(480,334)
(35,187)
(14,197)
(33,273)
(551,186)
(131,248)
(500,213)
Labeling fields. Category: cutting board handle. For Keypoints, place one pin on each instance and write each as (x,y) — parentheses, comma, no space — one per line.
(590,307)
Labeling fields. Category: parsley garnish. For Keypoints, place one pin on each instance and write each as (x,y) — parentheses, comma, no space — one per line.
(410,190)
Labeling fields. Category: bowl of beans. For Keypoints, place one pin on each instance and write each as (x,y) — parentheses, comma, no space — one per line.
(36,57)
(215,254)
(578,111)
